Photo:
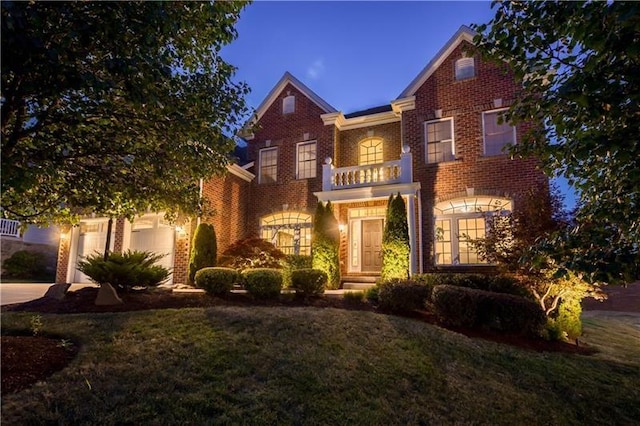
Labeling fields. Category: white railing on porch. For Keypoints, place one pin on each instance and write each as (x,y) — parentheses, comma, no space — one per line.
(9,228)
(387,173)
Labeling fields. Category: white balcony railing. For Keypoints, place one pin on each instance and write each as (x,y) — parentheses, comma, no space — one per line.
(387,173)
(9,228)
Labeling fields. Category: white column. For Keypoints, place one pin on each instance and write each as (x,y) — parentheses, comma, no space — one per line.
(327,171)
(406,165)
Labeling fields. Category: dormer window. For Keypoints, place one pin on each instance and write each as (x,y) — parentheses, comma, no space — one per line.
(465,68)
(289,104)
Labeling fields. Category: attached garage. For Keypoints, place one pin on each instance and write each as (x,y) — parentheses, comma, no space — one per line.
(91,239)
(152,233)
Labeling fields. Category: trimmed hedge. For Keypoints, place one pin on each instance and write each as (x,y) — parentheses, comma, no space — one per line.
(216,281)
(262,283)
(291,263)
(494,283)
(402,295)
(309,282)
(471,308)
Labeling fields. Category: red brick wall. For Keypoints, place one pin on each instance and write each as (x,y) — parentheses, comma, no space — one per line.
(349,140)
(227,197)
(464,101)
(284,132)
(64,249)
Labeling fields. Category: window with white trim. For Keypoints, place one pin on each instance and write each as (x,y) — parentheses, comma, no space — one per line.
(459,221)
(370,151)
(465,68)
(306,154)
(268,165)
(498,133)
(289,104)
(439,140)
(289,231)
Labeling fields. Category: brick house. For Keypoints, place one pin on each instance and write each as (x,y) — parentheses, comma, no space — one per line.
(439,145)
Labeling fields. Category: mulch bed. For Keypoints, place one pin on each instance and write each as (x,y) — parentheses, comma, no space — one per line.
(29,359)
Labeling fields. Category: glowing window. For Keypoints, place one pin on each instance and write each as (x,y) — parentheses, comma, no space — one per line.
(288,231)
(370,151)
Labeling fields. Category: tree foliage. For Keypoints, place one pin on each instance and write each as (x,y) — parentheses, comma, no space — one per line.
(395,241)
(204,250)
(578,65)
(114,107)
(325,244)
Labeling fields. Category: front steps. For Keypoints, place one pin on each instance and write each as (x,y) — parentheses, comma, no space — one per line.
(358,282)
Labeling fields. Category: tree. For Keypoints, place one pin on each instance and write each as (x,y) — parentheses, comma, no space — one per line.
(395,241)
(114,107)
(512,243)
(325,244)
(204,250)
(578,65)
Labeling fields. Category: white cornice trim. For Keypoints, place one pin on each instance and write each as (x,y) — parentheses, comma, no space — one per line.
(404,104)
(463,34)
(367,193)
(243,174)
(342,123)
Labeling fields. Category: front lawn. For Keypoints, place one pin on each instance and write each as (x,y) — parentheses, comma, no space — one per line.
(277,365)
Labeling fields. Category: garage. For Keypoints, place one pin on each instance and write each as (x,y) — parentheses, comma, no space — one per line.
(152,233)
(91,239)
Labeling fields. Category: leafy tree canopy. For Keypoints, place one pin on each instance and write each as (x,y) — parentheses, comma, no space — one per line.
(114,107)
(578,64)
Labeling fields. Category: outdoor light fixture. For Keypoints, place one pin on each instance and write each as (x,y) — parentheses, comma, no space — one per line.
(342,227)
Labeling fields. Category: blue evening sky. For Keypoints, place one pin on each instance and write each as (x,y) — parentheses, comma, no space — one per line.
(354,55)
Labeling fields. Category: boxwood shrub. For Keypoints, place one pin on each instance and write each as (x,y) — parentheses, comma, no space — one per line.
(471,308)
(402,295)
(216,281)
(309,282)
(262,283)
(291,263)
(495,283)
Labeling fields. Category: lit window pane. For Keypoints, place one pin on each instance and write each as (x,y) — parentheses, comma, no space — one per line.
(370,151)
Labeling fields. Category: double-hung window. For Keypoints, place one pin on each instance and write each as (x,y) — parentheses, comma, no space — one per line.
(439,140)
(268,165)
(498,133)
(306,155)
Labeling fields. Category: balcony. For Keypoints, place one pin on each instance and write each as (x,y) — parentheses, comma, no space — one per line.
(9,228)
(387,173)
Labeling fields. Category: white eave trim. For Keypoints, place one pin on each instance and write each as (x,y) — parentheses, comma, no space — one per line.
(342,123)
(404,104)
(463,34)
(381,192)
(243,174)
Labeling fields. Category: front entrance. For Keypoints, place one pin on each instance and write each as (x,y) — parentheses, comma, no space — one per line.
(371,245)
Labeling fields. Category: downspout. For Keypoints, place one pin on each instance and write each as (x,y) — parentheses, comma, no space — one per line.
(200,184)
(420,228)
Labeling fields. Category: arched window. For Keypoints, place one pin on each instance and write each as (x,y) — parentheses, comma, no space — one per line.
(289,231)
(460,220)
(370,151)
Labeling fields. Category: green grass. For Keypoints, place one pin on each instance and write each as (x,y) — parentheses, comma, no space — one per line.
(259,365)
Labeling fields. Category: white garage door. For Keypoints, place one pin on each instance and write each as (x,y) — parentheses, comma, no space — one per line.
(152,233)
(92,239)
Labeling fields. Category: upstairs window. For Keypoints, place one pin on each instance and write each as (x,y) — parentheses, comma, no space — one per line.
(498,133)
(465,68)
(268,165)
(370,151)
(289,104)
(439,139)
(306,160)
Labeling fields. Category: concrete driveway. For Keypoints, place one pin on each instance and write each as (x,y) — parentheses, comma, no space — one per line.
(11,293)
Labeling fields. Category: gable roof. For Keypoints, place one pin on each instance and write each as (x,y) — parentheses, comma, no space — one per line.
(287,78)
(464,33)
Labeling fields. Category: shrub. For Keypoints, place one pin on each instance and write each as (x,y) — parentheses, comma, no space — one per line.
(293,262)
(216,281)
(568,319)
(263,283)
(373,294)
(25,264)
(309,282)
(402,295)
(395,241)
(204,251)
(354,297)
(325,244)
(125,270)
(251,253)
(495,283)
(471,308)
